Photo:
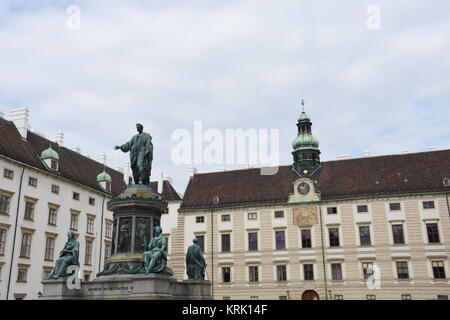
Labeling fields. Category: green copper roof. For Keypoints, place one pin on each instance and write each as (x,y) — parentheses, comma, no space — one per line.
(104,177)
(49,153)
(305,141)
(303,117)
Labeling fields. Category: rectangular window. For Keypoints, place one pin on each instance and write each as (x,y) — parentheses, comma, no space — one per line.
(442,297)
(253,274)
(226,297)
(371,297)
(4,203)
(29,210)
(428,204)
(76,196)
(92,201)
(367,268)
(108,186)
(338,297)
(438,269)
(226,274)
(433,233)
(32,182)
(308,271)
(394,206)
(282,297)
(88,253)
(90,225)
(402,270)
(52,213)
(406,297)
(281,273)
(200,219)
(107,251)
(9,174)
(49,248)
(22,275)
(336,271)
(26,245)
(253,297)
(54,164)
(364,235)
(280,240)
(334,237)
(201,242)
(252,216)
(74,221)
(362,208)
(332,210)
(279,214)
(226,243)
(397,233)
(55,189)
(2,241)
(252,241)
(46,274)
(87,277)
(226,217)
(306,238)
(108,229)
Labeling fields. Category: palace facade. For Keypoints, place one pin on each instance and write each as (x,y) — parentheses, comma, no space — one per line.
(365,228)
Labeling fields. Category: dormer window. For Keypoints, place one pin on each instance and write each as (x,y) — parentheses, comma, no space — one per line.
(104,179)
(50,158)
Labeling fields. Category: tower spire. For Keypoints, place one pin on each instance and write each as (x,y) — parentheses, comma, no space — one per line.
(303,105)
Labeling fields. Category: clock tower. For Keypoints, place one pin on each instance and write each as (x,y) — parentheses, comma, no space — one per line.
(306,147)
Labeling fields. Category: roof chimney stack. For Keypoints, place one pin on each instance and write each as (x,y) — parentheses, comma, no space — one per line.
(160,182)
(20,117)
(192,171)
(77,149)
(404,151)
(366,153)
(432,148)
(101,157)
(343,156)
(59,138)
(2,115)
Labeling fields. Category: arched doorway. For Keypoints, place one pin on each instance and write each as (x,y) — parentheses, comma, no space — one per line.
(310,295)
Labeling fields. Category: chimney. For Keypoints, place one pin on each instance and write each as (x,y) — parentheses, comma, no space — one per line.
(20,117)
(160,182)
(2,115)
(101,157)
(366,153)
(432,148)
(192,171)
(169,179)
(77,149)
(59,138)
(343,156)
(404,151)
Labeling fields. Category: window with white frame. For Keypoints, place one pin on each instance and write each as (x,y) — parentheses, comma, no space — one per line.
(49,248)
(438,269)
(2,240)
(5,201)
(26,245)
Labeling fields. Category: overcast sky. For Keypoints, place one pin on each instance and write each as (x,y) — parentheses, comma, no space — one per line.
(231,64)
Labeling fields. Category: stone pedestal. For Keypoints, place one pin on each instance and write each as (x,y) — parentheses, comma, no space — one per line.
(135,287)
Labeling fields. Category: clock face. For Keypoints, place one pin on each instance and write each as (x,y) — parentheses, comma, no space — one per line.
(303,188)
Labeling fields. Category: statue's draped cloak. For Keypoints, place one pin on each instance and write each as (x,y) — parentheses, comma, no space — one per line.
(157,253)
(141,152)
(195,262)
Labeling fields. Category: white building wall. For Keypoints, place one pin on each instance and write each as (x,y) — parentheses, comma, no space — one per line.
(40,226)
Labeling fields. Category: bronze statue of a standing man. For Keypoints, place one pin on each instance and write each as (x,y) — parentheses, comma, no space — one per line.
(141,155)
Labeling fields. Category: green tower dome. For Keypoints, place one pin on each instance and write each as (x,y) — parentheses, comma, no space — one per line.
(303,117)
(104,177)
(49,153)
(305,141)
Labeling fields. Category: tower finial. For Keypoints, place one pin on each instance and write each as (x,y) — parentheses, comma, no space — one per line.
(303,106)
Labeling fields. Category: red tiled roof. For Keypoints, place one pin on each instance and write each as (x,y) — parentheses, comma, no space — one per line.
(168,193)
(72,165)
(351,178)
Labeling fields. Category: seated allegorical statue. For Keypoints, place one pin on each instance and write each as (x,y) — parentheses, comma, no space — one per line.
(67,257)
(195,262)
(155,257)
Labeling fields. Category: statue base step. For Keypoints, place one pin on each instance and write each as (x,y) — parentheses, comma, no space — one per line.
(124,287)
